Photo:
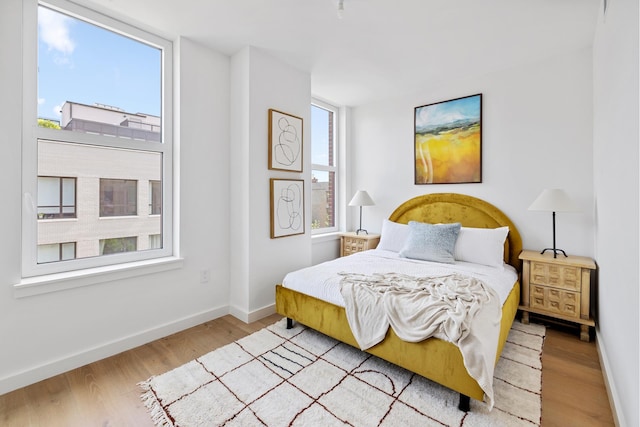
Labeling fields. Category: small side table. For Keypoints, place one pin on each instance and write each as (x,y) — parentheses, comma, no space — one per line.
(351,242)
(557,287)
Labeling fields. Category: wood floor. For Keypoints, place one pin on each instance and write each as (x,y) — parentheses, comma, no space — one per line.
(105,393)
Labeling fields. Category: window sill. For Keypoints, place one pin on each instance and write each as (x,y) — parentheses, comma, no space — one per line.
(325,237)
(39,285)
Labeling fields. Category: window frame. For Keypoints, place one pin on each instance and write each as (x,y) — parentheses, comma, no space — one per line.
(33,133)
(335,168)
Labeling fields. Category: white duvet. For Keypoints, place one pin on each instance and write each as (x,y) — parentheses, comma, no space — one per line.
(418,299)
(323,280)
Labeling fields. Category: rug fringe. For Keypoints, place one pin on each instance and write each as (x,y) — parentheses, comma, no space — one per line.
(158,415)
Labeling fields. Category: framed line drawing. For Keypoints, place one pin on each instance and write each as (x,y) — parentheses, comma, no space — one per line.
(287,207)
(448,141)
(285,141)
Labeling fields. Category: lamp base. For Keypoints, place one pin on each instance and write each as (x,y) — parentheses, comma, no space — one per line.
(361,229)
(555,252)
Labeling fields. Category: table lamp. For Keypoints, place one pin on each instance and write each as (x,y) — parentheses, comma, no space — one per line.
(553,200)
(361,198)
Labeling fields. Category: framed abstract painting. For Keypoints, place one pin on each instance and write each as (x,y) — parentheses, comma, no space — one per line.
(285,141)
(287,207)
(448,141)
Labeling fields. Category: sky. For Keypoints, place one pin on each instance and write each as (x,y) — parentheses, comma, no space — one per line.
(83,63)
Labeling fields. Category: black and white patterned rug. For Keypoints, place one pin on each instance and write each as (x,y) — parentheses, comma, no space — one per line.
(299,377)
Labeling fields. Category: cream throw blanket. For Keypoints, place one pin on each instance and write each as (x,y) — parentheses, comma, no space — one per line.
(456,308)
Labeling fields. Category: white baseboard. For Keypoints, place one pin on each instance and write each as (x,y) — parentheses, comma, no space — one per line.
(618,418)
(249,317)
(262,312)
(50,369)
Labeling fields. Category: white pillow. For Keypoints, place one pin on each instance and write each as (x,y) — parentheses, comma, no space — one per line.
(481,245)
(393,236)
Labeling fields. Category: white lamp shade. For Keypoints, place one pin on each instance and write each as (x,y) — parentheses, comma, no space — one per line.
(361,198)
(553,200)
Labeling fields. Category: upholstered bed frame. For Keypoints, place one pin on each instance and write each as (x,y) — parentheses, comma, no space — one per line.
(438,360)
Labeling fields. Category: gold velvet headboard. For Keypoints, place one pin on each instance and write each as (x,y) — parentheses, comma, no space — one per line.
(467,210)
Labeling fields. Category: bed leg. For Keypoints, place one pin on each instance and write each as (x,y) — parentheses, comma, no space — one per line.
(465,403)
(289,323)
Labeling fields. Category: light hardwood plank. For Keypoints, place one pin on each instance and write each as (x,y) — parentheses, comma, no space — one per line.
(573,389)
(105,393)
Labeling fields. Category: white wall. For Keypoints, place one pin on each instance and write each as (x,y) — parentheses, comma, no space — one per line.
(616,192)
(50,333)
(536,134)
(259,83)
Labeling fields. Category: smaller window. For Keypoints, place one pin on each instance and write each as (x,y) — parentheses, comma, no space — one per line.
(118,245)
(155,198)
(56,252)
(118,197)
(324,170)
(56,197)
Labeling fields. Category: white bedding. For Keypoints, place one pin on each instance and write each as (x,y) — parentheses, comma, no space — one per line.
(478,346)
(323,280)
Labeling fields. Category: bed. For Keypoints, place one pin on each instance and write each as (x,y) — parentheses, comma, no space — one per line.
(433,358)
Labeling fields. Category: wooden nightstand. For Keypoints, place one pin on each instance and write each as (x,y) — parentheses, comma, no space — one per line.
(557,287)
(351,243)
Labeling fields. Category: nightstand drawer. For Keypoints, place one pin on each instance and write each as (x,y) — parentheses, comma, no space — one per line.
(555,300)
(558,276)
(354,244)
(350,243)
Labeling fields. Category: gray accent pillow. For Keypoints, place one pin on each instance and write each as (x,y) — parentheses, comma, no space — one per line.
(431,242)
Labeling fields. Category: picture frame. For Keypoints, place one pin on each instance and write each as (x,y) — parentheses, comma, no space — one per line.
(285,141)
(287,207)
(448,141)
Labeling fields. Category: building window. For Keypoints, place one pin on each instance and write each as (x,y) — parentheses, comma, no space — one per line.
(118,197)
(324,168)
(155,200)
(56,252)
(102,116)
(56,197)
(155,241)
(118,245)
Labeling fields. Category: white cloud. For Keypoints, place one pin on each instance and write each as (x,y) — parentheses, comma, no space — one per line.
(57,110)
(54,30)
(41,101)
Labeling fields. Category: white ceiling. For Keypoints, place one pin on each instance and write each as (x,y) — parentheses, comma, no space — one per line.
(380,48)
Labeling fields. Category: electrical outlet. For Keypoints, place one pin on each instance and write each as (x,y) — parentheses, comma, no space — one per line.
(204,276)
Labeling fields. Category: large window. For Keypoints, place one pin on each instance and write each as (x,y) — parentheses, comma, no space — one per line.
(97,140)
(324,168)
